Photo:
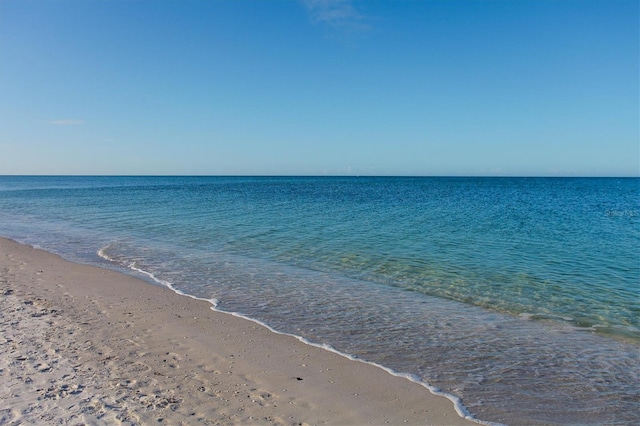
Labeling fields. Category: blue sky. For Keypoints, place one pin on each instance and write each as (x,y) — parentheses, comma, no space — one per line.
(316,87)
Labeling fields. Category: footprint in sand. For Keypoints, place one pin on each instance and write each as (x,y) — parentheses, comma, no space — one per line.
(61,391)
(260,397)
(43,368)
(172,360)
(154,402)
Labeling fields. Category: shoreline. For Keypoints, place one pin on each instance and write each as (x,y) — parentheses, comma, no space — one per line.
(88,344)
(460,409)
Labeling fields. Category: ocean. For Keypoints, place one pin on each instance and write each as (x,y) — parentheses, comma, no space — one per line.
(520,296)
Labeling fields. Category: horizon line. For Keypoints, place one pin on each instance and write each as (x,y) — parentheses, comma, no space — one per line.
(324,176)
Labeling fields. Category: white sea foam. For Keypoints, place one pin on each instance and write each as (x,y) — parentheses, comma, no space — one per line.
(165,283)
(459,407)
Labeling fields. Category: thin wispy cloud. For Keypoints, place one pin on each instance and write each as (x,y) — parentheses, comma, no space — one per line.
(339,14)
(67,122)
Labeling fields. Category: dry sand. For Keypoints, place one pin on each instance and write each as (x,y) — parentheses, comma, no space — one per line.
(84,345)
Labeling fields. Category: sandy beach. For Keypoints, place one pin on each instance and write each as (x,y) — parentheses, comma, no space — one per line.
(84,345)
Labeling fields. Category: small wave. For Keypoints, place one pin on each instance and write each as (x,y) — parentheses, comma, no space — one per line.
(627,333)
(103,253)
(543,316)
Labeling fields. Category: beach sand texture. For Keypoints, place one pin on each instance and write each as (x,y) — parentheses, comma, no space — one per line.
(84,345)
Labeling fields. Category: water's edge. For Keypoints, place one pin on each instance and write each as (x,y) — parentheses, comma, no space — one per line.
(151,279)
(461,410)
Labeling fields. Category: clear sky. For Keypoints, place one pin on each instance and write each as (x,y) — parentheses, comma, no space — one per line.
(315,87)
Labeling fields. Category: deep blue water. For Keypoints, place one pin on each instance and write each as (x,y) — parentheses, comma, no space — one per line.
(519,295)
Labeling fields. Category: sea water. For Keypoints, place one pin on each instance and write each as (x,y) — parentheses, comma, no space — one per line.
(521,296)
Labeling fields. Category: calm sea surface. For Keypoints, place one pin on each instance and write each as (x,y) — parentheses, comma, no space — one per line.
(521,296)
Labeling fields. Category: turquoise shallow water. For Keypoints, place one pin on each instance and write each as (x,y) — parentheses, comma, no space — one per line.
(519,295)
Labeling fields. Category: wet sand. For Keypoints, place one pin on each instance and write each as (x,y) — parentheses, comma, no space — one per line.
(81,344)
